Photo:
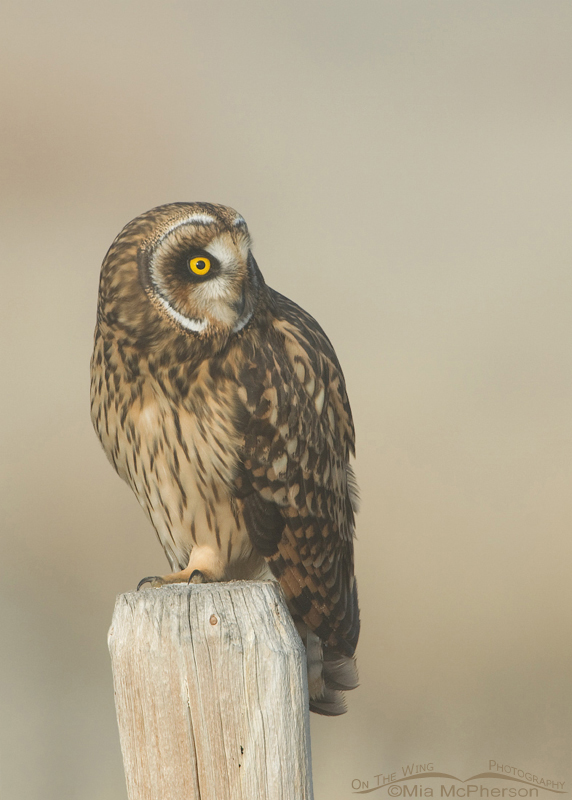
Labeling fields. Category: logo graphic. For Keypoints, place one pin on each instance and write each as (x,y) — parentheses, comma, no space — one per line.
(418,780)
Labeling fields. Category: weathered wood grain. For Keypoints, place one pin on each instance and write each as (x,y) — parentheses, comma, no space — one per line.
(211,693)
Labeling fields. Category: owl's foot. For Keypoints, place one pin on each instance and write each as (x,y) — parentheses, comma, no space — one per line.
(188,575)
(205,566)
(154,580)
(162,580)
(198,577)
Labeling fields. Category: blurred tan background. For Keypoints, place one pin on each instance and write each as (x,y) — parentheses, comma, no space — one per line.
(405,169)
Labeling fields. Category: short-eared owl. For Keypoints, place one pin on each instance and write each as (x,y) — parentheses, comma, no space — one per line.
(223,406)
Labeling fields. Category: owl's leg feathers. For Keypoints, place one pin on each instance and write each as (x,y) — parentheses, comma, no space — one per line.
(205,565)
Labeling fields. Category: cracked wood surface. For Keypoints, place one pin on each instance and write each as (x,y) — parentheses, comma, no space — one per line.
(211,693)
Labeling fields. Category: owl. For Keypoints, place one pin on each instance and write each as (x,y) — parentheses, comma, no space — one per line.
(223,405)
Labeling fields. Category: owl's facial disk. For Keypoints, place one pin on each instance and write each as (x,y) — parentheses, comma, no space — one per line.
(200,274)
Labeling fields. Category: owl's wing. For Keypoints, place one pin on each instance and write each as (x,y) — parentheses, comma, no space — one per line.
(296,483)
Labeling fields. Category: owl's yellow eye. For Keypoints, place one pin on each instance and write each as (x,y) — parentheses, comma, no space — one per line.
(200,265)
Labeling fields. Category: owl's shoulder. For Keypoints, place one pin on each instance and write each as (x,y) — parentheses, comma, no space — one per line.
(289,375)
(289,317)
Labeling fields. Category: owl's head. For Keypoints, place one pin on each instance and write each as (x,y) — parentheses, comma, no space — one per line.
(186,265)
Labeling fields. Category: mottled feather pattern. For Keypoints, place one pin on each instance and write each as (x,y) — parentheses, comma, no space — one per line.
(236,439)
(296,449)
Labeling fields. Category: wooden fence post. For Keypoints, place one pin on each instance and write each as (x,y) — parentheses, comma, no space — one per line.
(211,693)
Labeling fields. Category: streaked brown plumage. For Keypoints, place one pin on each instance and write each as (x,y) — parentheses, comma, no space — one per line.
(223,405)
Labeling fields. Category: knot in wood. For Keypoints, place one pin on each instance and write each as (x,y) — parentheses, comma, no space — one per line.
(213,620)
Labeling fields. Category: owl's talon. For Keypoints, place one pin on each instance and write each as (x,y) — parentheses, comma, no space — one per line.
(197,577)
(154,580)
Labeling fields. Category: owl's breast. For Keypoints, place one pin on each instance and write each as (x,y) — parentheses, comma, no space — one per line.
(179,453)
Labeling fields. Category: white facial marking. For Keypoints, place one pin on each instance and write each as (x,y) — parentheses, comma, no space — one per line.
(213,289)
(239,221)
(196,325)
(223,251)
(194,219)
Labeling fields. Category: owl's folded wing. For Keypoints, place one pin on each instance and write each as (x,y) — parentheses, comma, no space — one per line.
(297,486)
